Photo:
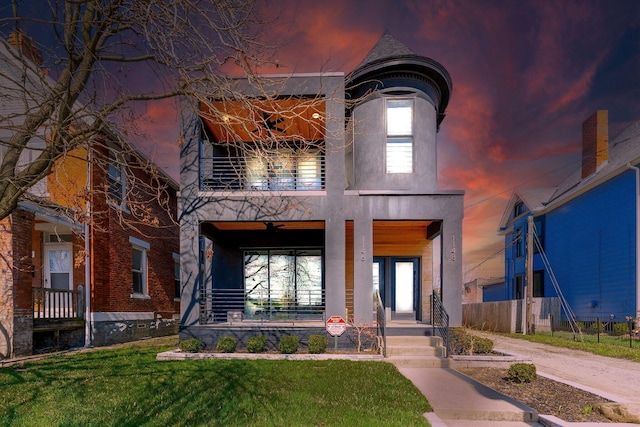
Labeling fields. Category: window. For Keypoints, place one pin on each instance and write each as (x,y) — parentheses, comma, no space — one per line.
(286,170)
(282,283)
(139,250)
(116,180)
(176,274)
(538,284)
(518,209)
(538,224)
(399,136)
(519,241)
(519,287)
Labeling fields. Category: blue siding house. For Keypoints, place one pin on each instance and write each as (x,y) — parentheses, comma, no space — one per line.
(587,227)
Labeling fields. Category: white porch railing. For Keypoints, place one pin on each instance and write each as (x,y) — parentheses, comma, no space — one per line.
(58,303)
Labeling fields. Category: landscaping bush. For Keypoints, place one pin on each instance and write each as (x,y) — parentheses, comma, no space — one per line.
(289,344)
(317,344)
(463,342)
(522,373)
(226,344)
(191,345)
(257,344)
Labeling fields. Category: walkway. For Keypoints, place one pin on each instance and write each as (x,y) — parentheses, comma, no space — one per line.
(460,402)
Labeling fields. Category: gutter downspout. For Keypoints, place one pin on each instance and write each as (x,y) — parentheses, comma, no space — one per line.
(637,170)
(87,259)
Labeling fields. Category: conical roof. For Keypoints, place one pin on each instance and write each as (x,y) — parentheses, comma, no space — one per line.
(387,47)
(390,63)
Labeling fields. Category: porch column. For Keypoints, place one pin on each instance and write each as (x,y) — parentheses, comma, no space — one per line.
(452,269)
(362,269)
(334,268)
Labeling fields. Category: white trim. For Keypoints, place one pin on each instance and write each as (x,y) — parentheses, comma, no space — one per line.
(140,243)
(111,316)
(139,296)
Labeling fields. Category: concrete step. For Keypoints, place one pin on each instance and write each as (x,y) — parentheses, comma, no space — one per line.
(422,350)
(413,341)
(417,362)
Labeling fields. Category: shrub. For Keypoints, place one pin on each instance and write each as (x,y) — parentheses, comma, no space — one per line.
(620,329)
(289,344)
(317,344)
(463,342)
(226,344)
(191,345)
(257,344)
(522,373)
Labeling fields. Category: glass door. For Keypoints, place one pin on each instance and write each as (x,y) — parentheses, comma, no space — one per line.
(58,266)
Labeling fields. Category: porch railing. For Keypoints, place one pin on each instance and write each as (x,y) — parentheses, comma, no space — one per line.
(272,173)
(58,303)
(440,322)
(235,305)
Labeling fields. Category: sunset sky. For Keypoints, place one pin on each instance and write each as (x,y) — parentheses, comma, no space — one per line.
(526,74)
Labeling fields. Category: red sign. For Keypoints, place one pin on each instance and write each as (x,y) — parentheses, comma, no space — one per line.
(336,326)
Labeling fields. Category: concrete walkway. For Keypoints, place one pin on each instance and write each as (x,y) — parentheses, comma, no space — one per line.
(459,401)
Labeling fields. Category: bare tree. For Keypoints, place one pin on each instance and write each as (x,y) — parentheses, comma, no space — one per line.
(90,93)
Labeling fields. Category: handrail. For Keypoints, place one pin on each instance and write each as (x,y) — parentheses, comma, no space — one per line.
(51,303)
(440,322)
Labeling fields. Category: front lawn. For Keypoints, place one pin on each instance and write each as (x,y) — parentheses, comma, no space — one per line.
(126,386)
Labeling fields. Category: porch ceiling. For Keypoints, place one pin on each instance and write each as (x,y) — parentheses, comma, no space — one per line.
(262,225)
(291,118)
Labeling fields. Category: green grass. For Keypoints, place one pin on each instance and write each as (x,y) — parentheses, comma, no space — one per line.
(609,346)
(126,386)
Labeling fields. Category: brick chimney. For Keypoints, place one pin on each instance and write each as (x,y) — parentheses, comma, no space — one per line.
(26,45)
(595,142)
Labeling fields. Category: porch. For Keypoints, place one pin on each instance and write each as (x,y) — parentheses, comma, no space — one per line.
(58,318)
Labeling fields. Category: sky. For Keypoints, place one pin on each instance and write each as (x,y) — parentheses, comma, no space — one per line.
(526,74)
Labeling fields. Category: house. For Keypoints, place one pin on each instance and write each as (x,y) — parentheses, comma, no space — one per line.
(586,230)
(90,256)
(312,194)
(482,289)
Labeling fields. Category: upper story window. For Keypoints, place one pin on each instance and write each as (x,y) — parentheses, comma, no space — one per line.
(139,250)
(116,180)
(518,209)
(399,150)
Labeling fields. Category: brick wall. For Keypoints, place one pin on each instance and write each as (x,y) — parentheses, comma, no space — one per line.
(112,260)
(16,313)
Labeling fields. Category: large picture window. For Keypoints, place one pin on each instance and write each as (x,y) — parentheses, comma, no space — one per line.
(283,283)
(399,150)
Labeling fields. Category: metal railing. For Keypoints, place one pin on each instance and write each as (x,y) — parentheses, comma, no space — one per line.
(272,173)
(58,303)
(236,305)
(440,322)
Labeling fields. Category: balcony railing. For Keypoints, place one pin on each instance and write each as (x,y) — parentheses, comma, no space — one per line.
(236,305)
(303,172)
(58,304)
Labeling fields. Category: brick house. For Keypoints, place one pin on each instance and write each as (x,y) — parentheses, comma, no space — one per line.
(68,278)
(320,199)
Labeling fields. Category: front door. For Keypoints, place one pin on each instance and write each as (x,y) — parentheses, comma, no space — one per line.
(398,281)
(58,266)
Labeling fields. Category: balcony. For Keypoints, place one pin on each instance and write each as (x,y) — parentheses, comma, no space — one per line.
(284,172)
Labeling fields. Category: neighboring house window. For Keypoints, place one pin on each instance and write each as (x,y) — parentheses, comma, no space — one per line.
(538,284)
(116,180)
(518,290)
(518,209)
(519,241)
(139,250)
(176,274)
(399,152)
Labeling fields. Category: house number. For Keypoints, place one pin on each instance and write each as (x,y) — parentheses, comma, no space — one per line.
(453,248)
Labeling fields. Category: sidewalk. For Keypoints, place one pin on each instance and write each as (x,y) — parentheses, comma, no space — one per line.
(458,401)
